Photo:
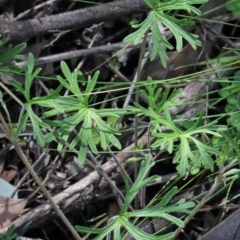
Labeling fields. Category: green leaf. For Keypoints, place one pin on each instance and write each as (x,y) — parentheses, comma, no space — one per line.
(3,41)
(136,36)
(17,85)
(82,154)
(90,85)
(11,53)
(160,13)
(234,7)
(102,232)
(36,124)
(139,234)
(30,64)
(139,183)
(29,76)
(22,122)
(71,82)
(9,235)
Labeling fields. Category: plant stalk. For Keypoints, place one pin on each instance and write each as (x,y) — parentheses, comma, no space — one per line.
(20,153)
(44,190)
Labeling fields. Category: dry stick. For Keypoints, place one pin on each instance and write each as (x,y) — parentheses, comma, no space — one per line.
(40,158)
(78,53)
(222,37)
(79,66)
(102,173)
(19,31)
(25,13)
(20,153)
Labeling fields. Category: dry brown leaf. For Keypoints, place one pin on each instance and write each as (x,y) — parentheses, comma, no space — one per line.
(9,209)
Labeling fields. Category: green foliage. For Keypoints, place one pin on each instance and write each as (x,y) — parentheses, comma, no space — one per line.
(10,53)
(9,235)
(234,7)
(190,152)
(77,109)
(160,210)
(160,13)
(190,147)
(230,91)
(36,121)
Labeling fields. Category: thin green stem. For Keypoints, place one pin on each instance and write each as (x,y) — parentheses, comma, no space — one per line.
(139,69)
(11,94)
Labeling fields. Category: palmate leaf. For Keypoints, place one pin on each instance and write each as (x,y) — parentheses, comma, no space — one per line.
(78,112)
(182,157)
(68,104)
(71,83)
(82,153)
(92,124)
(191,153)
(29,77)
(186,156)
(36,121)
(67,127)
(159,13)
(159,41)
(152,92)
(76,108)
(10,234)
